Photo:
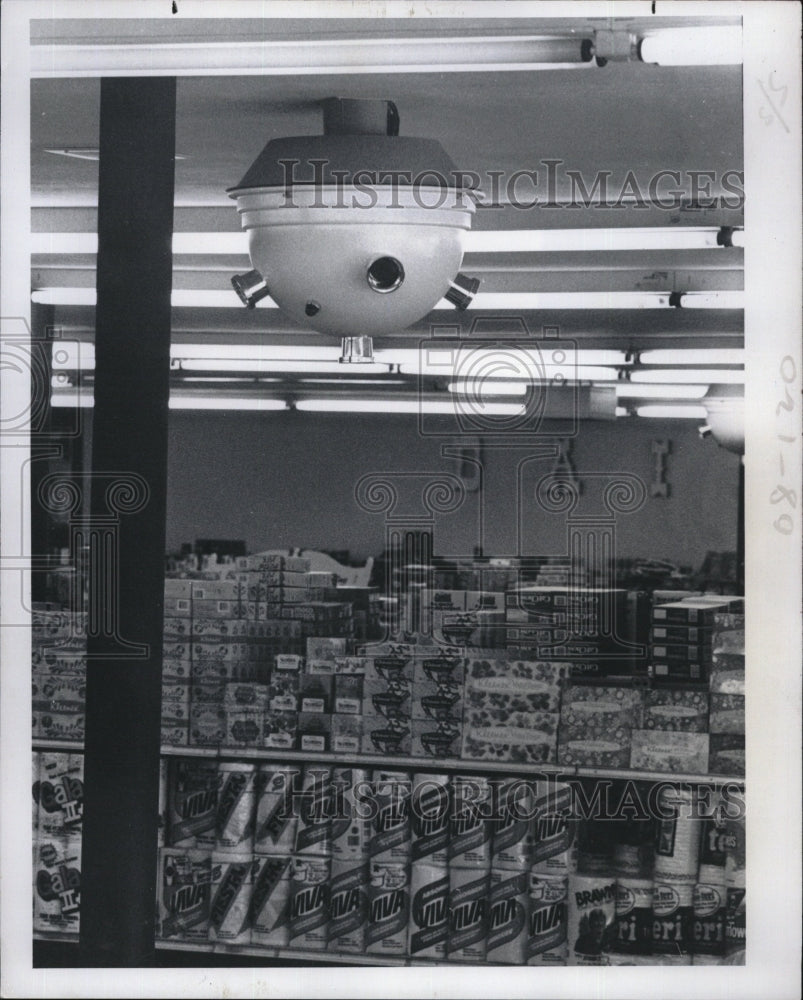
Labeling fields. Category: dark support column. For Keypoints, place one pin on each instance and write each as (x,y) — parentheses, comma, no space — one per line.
(740,531)
(126,532)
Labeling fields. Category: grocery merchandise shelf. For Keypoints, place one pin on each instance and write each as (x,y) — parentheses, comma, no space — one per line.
(55,936)
(424,763)
(296,954)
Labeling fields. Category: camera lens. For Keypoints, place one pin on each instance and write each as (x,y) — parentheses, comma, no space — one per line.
(385,274)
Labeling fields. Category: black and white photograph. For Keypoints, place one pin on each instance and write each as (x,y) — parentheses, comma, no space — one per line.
(400,509)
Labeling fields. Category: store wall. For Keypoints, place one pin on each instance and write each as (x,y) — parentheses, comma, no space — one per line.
(288,479)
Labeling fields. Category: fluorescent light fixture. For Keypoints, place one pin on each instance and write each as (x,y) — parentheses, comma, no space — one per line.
(567,240)
(628,390)
(206,298)
(183,401)
(689,376)
(313,56)
(223,299)
(566,300)
(489,387)
(703,46)
(187,402)
(509,361)
(451,407)
(529,371)
(269,365)
(715,356)
(351,381)
(712,300)
(672,412)
(496,241)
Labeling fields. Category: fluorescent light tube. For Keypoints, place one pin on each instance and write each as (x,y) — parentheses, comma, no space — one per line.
(497,241)
(629,390)
(687,376)
(450,407)
(704,46)
(712,300)
(313,56)
(271,365)
(714,356)
(488,387)
(528,370)
(566,300)
(672,412)
(568,240)
(180,401)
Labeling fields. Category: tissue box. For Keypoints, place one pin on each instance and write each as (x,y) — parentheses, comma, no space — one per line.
(727,678)
(677,709)
(669,752)
(283,690)
(437,740)
(314,731)
(346,733)
(726,754)
(315,693)
(386,737)
(524,737)
(207,724)
(348,691)
(727,713)
(279,730)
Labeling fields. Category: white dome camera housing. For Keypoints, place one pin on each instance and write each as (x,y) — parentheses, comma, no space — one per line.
(359,231)
(724,405)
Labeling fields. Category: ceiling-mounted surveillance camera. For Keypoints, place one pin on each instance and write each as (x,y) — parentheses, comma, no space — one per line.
(724,405)
(358,232)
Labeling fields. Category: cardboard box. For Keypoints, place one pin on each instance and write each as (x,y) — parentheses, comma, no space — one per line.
(207,724)
(692,612)
(437,740)
(212,591)
(607,750)
(727,713)
(178,649)
(176,670)
(289,661)
(56,724)
(177,607)
(243,694)
(685,635)
(175,734)
(348,693)
(208,671)
(381,699)
(314,731)
(524,737)
(225,652)
(208,694)
(219,609)
(284,690)
(729,634)
(727,681)
(47,687)
(676,709)
(681,654)
(178,589)
(386,737)
(220,629)
(346,733)
(726,754)
(674,671)
(315,693)
(279,730)
(244,726)
(669,752)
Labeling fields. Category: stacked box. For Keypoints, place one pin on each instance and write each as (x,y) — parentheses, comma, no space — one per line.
(437,705)
(596,723)
(681,709)
(387,704)
(681,638)
(58,661)
(568,623)
(678,752)
(245,704)
(511,709)
(727,687)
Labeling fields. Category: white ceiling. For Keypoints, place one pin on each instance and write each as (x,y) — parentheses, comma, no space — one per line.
(619,118)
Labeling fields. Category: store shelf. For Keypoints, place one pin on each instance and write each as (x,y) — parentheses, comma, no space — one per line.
(297,954)
(55,936)
(422,763)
